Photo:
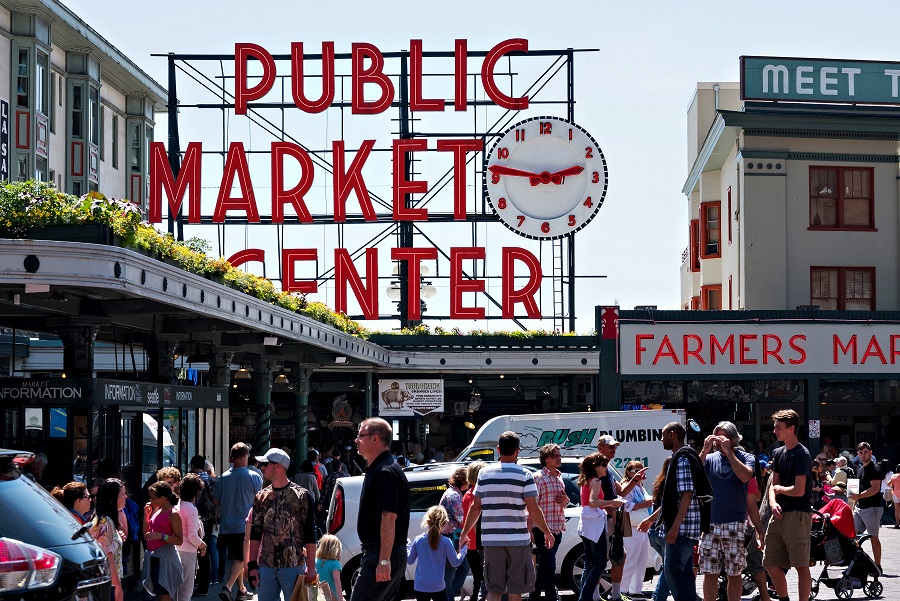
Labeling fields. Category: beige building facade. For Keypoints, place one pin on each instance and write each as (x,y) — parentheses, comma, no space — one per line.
(78,113)
(791,204)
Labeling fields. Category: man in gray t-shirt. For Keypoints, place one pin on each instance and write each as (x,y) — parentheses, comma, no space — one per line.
(729,469)
(234,493)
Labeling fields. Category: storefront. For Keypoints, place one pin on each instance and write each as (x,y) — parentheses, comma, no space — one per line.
(838,370)
(77,423)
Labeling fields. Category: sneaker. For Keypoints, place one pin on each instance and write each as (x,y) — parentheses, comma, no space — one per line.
(225,594)
(244,596)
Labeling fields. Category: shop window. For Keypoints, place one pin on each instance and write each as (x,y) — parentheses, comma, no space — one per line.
(711,298)
(694,238)
(710,229)
(842,288)
(841,198)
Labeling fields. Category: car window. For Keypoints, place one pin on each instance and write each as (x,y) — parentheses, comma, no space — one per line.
(31,514)
(425,494)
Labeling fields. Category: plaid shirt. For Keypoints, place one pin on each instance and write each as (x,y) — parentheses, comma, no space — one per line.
(549,487)
(690,525)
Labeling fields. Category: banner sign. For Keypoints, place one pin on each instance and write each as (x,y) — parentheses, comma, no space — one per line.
(819,80)
(743,349)
(72,391)
(4,139)
(410,398)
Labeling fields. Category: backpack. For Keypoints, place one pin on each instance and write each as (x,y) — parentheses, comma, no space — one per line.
(206,504)
(132,513)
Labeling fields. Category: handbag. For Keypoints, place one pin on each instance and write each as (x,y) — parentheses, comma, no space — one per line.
(615,523)
(888,496)
(617,543)
(301,592)
(327,593)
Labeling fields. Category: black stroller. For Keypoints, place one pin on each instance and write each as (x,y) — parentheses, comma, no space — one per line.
(833,543)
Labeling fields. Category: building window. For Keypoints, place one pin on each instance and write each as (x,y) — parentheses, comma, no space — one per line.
(77,113)
(711,298)
(730,215)
(841,197)
(94,115)
(730,294)
(40,169)
(694,237)
(102,131)
(135,150)
(22,79)
(22,172)
(42,84)
(710,228)
(115,141)
(842,288)
(51,117)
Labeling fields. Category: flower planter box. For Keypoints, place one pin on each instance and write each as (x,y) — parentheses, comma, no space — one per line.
(92,233)
(464,342)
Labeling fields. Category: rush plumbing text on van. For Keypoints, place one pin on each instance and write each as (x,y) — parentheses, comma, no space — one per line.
(639,431)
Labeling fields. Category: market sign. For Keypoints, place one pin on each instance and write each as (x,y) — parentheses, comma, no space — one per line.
(684,350)
(92,391)
(410,398)
(819,80)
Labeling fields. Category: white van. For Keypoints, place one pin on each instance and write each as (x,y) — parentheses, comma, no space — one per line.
(640,433)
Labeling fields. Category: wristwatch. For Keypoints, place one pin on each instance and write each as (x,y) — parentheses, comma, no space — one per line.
(384,562)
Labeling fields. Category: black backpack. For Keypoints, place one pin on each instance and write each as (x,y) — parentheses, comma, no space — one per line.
(206,504)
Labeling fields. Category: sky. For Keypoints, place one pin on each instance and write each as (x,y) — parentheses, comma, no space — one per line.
(632,96)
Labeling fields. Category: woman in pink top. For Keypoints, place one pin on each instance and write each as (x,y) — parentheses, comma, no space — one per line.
(894,484)
(192,527)
(164,533)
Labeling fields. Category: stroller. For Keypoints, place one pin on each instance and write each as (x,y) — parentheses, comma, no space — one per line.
(833,542)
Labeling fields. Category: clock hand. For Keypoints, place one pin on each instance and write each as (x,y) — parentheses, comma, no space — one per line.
(566,172)
(503,170)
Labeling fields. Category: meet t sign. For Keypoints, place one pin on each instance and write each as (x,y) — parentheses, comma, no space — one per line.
(819,80)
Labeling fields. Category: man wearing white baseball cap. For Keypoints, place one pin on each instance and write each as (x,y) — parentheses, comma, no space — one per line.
(281,529)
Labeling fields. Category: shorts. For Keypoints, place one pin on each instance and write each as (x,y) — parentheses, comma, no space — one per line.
(868,519)
(723,548)
(896,499)
(234,543)
(609,544)
(509,569)
(787,540)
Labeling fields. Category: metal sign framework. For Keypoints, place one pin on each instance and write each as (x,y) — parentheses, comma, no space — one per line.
(543,90)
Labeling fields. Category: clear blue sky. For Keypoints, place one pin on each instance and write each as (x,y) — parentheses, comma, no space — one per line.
(632,95)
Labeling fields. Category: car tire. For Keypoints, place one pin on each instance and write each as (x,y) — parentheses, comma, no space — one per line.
(572,566)
(349,574)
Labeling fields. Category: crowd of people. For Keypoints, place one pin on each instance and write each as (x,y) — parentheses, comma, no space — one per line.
(746,513)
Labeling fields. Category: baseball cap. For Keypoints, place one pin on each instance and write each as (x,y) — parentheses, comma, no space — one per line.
(275,456)
(609,440)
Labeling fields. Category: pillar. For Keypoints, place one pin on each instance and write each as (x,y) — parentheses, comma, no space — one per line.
(160,359)
(301,375)
(78,349)
(220,369)
(262,385)
(812,412)
(368,394)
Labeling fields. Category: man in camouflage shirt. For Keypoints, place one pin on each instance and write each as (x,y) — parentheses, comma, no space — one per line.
(281,530)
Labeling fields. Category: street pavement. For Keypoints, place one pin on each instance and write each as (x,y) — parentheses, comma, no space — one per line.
(890,561)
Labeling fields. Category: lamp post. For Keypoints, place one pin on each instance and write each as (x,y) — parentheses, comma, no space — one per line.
(396,291)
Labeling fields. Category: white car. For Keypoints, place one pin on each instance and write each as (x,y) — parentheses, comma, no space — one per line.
(427,484)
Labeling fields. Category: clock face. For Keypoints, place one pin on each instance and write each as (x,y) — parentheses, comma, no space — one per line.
(545,178)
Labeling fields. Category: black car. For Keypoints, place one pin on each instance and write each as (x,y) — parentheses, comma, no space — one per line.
(45,554)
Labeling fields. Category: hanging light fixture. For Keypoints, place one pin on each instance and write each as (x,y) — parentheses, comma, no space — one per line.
(242,374)
(470,420)
(282,381)
(248,420)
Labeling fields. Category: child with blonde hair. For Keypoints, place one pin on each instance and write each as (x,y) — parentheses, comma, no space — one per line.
(432,550)
(328,567)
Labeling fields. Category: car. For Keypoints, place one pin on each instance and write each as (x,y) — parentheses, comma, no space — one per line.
(45,554)
(427,484)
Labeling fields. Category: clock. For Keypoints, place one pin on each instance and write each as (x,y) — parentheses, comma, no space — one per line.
(545,178)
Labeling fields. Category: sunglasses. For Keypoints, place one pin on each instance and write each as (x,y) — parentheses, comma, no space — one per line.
(263,463)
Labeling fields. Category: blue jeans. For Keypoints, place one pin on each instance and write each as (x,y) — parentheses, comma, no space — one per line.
(454,578)
(594,563)
(273,582)
(679,569)
(658,542)
(545,581)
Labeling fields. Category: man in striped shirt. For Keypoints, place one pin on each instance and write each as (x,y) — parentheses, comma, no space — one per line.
(505,497)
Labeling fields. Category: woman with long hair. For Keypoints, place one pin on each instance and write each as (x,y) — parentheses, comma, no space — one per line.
(111,497)
(75,497)
(592,528)
(164,574)
(191,486)
(637,546)
(430,551)
(451,500)
(893,484)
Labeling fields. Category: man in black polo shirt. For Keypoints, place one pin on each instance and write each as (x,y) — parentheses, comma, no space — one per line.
(869,506)
(383,520)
